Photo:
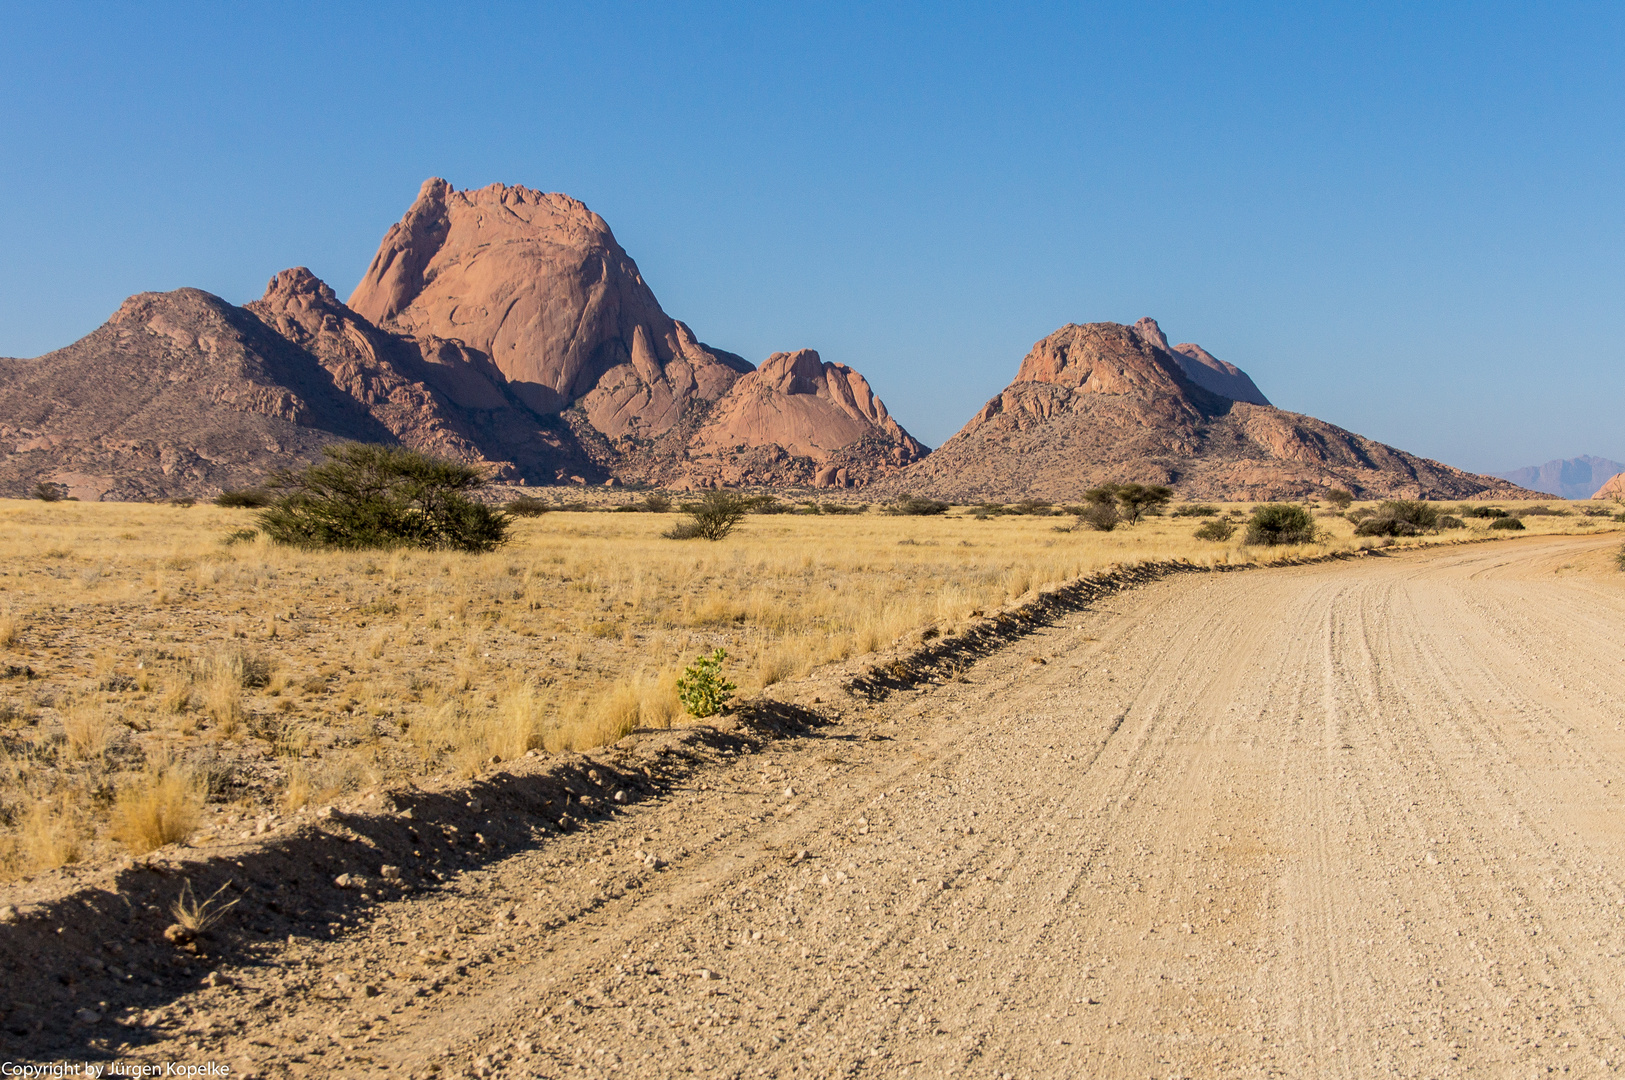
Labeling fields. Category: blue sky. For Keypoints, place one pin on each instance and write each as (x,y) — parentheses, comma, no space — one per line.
(1404,219)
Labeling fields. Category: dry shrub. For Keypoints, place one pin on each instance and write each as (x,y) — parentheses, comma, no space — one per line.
(11,629)
(161,806)
(325,779)
(49,836)
(88,731)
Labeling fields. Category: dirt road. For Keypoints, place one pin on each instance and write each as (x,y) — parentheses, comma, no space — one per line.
(1354,819)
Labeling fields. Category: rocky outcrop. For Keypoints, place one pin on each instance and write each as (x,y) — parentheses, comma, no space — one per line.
(1203,368)
(1613,489)
(182,393)
(177,394)
(536,282)
(503,327)
(821,424)
(1104,402)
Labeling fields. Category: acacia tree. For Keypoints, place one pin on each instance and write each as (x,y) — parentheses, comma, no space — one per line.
(368,496)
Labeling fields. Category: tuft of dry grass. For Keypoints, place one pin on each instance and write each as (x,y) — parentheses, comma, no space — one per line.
(88,731)
(196,918)
(11,630)
(158,807)
(50,835)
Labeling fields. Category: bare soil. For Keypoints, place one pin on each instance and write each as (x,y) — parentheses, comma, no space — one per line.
(1360,818)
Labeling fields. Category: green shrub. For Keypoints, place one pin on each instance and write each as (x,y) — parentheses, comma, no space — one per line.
(712,518)
(185,502)
(1195,510)
(768,504)
(1382,525)
(841,508)
(1280,523)
(1539,511)
(244,498)
(1507,523)
(1340,498)
(1215,530)
(656,503)
(1450,521)
(1481,511)
(916,506)
(1030,508)
(368,496)
(1411,511)
(45,491)
(702,689)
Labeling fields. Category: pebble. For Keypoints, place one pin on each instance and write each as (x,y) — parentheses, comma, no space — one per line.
(8,914)
(389,873)
(88,1016)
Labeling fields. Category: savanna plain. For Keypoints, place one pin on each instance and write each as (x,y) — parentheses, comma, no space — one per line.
(1345,817)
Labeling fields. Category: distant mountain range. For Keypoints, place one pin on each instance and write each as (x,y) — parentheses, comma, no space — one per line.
(1572,478)
(507,328)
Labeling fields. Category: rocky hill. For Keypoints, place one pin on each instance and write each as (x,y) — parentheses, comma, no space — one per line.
(1104,402)
(1570,478)
(503,326)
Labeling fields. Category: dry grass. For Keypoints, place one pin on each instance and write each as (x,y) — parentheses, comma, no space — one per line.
(308,675)
(161,806)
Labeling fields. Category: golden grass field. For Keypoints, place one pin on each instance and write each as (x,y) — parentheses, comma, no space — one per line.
(172,669)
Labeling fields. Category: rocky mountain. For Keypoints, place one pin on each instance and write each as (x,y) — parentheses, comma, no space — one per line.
(503,326)
(1571,478)
(1106,402)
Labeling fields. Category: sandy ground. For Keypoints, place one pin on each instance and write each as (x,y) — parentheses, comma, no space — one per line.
(1361,818)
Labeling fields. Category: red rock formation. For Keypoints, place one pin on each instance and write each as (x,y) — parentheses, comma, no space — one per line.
(537,283)
(1203,368)
(1614,488)
(1104,402)
(810,410)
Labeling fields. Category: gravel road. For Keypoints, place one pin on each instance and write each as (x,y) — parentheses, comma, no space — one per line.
(1360,818)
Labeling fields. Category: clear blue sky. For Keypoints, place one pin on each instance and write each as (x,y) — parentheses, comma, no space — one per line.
(1402,218)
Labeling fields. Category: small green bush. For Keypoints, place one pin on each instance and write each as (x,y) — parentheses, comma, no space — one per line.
(1540,511)
(712,518)
(768,504)
(367,496)
(702,689)
(1216,530)
(1280,523)
(1481,511)
(1340,498)
(1381,525)
(916,506)
(1194,510)
(656,503)
(1511,523)
(842,508)
(45,491)
(1450,521)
